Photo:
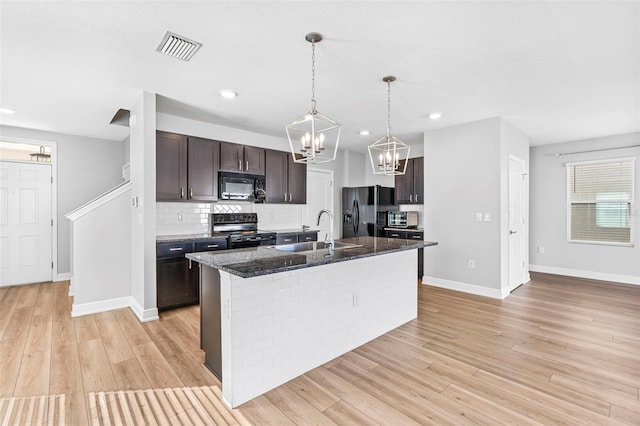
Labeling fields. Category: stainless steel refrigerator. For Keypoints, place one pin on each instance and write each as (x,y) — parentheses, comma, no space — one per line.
(364,210)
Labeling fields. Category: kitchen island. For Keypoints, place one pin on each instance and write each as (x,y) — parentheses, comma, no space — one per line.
(273,315)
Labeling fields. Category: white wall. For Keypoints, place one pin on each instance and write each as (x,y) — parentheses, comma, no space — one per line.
(86,168)
(143,215)
(549,214)
(462,177)
(466,171)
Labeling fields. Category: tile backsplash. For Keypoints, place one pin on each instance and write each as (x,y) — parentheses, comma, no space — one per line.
(193,218)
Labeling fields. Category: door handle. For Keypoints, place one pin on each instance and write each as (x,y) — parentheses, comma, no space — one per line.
(290,197)
(411,198)
(512,232)
(175,249)
(240,165)
(190,192)
(246,165)
(181,192)
(285,197)
(213,246)
(416,198)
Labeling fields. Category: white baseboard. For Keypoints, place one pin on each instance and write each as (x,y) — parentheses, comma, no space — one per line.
(593,275)
(464,287)
(64,276)
(108,305)
(100,306)
(142,314)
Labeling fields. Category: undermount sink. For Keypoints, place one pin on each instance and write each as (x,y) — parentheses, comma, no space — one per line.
(311,246)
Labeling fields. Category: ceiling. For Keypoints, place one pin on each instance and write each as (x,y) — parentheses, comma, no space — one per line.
(558,71)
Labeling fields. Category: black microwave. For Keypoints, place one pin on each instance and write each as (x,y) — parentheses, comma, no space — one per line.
(241,187)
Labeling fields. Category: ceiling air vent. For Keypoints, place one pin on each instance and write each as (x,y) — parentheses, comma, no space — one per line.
(177,46)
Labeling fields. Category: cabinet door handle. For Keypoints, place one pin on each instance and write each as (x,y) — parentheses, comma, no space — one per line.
(240,165)
(190,192)
(416,198)
(175,249)
(290,197)
(285,197)
(189,263)
(213,245)
(287,240)
(181,192)
(411,198)
(247,165)
(394,235)
(417,237)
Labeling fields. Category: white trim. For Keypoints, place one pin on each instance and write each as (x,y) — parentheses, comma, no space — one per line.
(65,276)
(465,287)
(100,306)
(99,201)
(111,304)
(142,314)
(593,275)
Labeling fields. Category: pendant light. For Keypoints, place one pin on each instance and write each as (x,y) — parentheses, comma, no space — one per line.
(313,137)
(389,154)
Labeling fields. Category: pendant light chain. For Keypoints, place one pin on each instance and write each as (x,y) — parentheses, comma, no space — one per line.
(388,108)
(313,76)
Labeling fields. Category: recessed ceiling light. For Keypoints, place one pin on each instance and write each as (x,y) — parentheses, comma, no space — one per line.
(435,115)
(7,111)
(364,132)
(177,46)
(229,94)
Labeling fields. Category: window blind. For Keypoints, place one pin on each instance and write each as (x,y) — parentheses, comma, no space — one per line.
(600,198)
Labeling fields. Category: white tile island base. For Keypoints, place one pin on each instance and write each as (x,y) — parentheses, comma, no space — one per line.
(279,326)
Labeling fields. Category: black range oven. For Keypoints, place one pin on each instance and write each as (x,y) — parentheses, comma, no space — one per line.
(241,230)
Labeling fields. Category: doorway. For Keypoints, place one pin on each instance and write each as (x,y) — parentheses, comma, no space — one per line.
(320,196)
(517,223)
(26,223)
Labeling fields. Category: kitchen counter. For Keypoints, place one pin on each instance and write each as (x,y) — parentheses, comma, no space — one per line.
(268,316)
(183,237)
(256,261)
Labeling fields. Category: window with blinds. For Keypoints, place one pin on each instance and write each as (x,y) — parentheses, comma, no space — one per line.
(600,200)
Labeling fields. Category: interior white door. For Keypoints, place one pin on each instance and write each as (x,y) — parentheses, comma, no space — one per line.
(25,223)
(517,230)
(319,196)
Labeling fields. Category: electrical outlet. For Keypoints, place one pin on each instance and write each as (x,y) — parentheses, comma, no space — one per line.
(180,218)
(478,216)
(540,250)
(472,264)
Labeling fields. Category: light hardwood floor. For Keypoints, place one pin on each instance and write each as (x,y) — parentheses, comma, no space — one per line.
(556,351)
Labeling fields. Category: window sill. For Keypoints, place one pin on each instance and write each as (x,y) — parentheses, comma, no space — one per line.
(601,243)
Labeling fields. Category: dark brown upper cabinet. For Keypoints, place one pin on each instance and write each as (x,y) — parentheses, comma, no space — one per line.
(186,168)
(171,166)
(242,159)
(286,180)
(409,188)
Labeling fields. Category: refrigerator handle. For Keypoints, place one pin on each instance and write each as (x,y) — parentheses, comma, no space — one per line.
(356,222)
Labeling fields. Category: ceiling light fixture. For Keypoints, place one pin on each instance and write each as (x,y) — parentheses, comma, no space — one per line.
(228,94)
(178,47)
(435,115)
(389,154)
(7,111)
(41,156)
(313,133)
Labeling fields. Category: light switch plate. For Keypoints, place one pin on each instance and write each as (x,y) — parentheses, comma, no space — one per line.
(478,216)
(487,217)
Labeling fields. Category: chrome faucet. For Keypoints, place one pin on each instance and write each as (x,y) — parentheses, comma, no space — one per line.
(330,243)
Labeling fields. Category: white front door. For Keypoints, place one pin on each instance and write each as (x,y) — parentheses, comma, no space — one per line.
(25,223)
(517,227)
(319,196)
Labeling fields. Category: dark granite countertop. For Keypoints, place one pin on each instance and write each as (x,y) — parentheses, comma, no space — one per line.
(255,261)
(185,237)
(404,229)
(291,231)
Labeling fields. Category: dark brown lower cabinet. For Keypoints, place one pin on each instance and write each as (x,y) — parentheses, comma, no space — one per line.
(177,282)
(410,235)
